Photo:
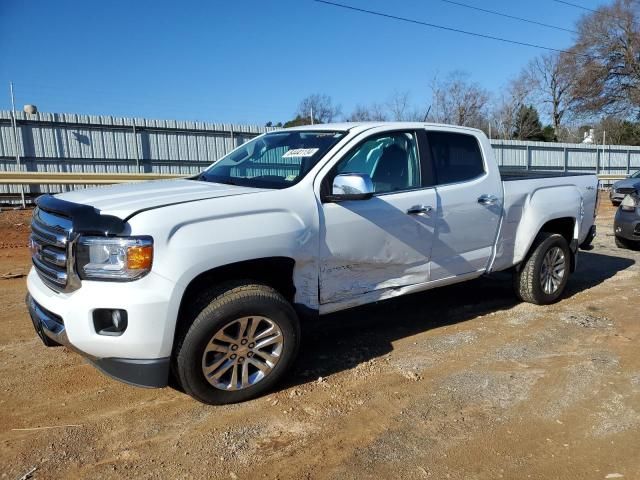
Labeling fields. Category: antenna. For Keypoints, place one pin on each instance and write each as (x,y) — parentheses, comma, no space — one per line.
(427,114)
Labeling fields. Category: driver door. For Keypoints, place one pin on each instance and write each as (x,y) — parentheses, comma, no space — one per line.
(369,248)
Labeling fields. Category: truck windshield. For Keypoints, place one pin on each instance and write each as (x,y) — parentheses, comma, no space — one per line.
(275,160)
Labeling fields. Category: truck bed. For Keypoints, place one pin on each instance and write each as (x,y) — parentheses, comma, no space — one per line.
(532,199)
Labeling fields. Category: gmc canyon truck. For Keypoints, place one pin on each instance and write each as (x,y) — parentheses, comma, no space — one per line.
(201,282)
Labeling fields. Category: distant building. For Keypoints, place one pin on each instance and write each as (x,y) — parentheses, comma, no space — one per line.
(589,137)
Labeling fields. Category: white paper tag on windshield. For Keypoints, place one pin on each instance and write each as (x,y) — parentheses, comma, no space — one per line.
(300,152)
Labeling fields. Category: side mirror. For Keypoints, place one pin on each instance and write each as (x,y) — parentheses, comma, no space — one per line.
(351,186)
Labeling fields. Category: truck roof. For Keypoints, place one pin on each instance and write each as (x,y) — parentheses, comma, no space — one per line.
(357,127)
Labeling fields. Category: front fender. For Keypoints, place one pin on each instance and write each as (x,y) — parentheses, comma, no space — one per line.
(191,239)
(206,244)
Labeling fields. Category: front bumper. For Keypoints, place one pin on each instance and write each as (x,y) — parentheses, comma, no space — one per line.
(627,224)
(140,356)
(48,326)
(152,373)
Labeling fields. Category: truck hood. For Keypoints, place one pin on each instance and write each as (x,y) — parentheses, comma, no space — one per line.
(126,199)
(627,183)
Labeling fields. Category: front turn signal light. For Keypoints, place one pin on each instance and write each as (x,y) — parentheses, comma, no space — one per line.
(140,257)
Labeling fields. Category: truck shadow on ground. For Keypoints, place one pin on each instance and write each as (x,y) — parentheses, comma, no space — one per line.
(343,340)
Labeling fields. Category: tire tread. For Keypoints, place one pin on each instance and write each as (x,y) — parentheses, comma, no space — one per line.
(525,278)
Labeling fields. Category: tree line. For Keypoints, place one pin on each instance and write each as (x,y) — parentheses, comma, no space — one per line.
(594,85)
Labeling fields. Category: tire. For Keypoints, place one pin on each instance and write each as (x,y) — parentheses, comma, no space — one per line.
(528,279)
(229,313)
(627,244)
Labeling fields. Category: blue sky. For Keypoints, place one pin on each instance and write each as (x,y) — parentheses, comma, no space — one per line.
(250,61)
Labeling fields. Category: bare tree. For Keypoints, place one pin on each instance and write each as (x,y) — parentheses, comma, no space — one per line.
(608,60)
(371,113)
(459,101)
(401,109)
(619,131)
(504,114)
(399,105)
(572,132)
(553,80)
(320,106)
(614,128)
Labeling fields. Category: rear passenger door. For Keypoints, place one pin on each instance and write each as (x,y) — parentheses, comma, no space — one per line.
(469,204)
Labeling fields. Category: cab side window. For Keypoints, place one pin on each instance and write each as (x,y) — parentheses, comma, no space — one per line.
(456,157)
(391,160)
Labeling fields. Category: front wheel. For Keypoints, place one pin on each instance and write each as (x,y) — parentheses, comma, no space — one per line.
(242,340)
(543,276)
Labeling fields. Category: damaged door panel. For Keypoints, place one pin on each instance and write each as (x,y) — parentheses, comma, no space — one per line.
(375,244)
(385,241)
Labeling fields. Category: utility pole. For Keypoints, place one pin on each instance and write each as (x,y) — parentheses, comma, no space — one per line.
(311,115)
(15,138)
(135,142)
(604,143)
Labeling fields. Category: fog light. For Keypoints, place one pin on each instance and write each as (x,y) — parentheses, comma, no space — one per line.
(110,322)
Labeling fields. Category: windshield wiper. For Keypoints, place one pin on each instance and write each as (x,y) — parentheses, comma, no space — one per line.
(226,181)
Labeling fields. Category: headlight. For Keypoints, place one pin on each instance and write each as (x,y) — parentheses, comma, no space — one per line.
(110,258)
(629,203)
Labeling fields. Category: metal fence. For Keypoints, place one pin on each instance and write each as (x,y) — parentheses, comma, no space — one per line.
(569,157)
(49,142)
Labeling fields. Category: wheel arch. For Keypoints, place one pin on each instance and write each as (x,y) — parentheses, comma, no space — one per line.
(565,226)
(277,272)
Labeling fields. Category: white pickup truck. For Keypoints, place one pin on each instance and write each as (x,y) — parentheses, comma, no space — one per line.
(201,282)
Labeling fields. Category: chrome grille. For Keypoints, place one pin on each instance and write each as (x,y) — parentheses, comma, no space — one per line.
(627,191)
(51,244)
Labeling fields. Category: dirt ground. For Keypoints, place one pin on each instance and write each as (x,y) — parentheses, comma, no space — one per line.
(462,382)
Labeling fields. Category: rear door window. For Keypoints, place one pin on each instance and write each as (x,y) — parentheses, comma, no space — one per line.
(455,157)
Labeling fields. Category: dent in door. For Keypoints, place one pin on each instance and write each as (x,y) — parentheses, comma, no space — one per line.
(387,254)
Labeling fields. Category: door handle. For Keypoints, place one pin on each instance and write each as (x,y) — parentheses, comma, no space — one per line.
(487,199)
(419,210)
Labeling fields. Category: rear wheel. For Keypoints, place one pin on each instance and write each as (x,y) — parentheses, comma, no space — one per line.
(545,272)
(242,340)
